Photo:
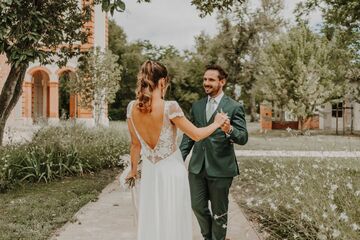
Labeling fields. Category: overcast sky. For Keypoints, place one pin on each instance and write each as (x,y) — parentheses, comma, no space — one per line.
(176,22)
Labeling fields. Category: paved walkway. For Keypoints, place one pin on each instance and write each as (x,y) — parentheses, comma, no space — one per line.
(111,218)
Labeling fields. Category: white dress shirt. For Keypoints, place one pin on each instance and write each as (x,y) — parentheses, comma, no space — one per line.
(217,99)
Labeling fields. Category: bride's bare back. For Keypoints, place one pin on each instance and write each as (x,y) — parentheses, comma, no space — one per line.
(149,125)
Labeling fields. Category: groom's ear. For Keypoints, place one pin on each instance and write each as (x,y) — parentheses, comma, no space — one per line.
(223,81)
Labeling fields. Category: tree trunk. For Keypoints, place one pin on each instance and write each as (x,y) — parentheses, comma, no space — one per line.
(301,124)
(10,94)
(253,109)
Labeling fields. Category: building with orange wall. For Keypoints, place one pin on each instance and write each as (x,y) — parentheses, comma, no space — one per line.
(40,98)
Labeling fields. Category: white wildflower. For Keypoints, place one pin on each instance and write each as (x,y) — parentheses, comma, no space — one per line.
(273,206)
(334,187)
(335,233)
(315,166)
(357,193)
(349,185)
(321,236)
(355,227)
(305,217)
(343,217)
(324,215)
(249,201)
(333,207)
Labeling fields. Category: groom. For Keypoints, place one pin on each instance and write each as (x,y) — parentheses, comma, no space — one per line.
(213,163)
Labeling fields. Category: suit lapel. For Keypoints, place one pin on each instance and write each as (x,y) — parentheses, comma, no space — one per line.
(203,112)
(221,105)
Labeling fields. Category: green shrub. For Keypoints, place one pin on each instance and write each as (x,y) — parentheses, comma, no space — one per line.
(56,152)
(116,114)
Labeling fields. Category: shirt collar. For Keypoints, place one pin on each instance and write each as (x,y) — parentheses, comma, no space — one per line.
(218,98)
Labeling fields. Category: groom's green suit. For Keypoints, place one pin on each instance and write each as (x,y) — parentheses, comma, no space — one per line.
(213,165)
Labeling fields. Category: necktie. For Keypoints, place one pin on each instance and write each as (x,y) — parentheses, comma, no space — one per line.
(210,108)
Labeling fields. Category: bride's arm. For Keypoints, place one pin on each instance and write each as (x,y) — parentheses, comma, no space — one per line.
(135,149)
(196,133)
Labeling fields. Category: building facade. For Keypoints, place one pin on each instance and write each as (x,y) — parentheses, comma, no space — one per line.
(40,98)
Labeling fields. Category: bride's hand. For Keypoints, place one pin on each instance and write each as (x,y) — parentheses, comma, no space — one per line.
(132,174)
(220,118)
(131,179)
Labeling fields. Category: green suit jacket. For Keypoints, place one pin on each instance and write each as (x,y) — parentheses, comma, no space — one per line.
(217,150)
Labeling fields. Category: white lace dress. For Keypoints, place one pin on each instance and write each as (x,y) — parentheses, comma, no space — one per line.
(165,205)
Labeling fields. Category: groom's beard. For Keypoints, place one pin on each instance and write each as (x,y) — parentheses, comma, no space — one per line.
(212,90)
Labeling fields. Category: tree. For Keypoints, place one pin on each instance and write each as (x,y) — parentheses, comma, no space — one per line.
(97,81)
(43,26)
(339,16)
(209,6)
(341,22)
(302,70)
(243,32)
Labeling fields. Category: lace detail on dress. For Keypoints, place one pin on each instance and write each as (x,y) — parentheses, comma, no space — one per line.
(167,140)
(175,110)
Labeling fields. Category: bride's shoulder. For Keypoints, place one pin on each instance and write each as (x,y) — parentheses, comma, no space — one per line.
(174,109)
(172,104)
(129,108)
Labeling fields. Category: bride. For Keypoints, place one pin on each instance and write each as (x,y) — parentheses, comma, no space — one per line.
(165,206)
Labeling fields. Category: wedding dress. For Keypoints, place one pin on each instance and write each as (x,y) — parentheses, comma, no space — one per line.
(164,205)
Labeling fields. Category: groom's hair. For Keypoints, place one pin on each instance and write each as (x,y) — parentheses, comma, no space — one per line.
(221,71)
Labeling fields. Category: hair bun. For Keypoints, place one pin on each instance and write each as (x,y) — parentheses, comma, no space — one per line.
(147,80)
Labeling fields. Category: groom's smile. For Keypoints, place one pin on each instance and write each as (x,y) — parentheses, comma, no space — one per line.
(212,84)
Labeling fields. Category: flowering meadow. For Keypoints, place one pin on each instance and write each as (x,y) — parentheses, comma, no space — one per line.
(301,198)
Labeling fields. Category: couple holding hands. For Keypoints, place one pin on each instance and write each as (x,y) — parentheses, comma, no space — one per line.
(168,191)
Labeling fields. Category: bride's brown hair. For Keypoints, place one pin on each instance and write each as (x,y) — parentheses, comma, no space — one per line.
(147,80)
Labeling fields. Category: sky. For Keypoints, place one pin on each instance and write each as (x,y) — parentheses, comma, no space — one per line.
(177,22)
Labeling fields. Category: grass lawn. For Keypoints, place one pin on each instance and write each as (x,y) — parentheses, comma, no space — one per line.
(304,143)
(283,140)
(35,211)
(301,198)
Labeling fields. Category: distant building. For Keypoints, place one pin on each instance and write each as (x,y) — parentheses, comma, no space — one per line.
(40,99)
(337,114)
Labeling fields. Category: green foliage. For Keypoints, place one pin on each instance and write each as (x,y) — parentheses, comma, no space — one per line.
(41,26)
(64,95)
(209,6)
(340,17)
(243,31)
(56,152)
(130,59)
(97,80)
(302,70)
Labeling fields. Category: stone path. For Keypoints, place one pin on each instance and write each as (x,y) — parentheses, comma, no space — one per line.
(320,154)
(111,217)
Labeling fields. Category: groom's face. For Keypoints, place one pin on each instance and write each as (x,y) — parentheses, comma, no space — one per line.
(212,84)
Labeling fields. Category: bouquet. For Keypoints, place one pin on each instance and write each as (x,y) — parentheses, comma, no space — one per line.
(132,184)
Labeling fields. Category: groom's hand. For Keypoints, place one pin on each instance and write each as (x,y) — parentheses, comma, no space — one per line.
(226,126)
